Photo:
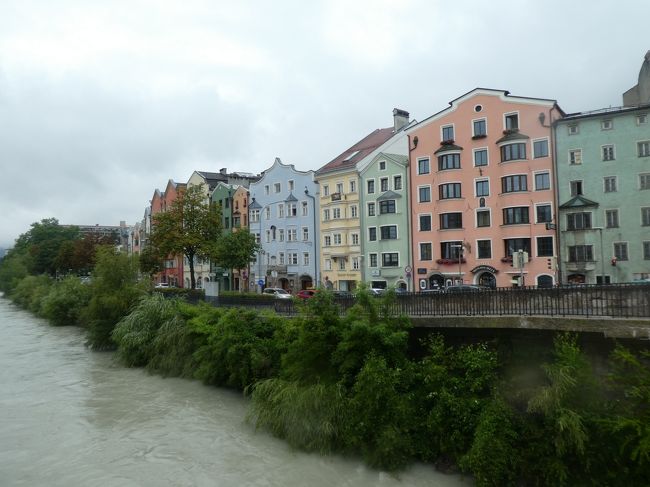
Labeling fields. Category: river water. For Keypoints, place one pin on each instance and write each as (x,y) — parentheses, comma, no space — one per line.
(73,417)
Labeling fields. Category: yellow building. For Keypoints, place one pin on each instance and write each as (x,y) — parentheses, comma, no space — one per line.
(340,224)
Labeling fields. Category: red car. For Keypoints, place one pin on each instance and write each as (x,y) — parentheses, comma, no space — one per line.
(306,293)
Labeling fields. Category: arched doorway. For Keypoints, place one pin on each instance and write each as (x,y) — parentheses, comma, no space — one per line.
(487,279)
(401,285)
(436,281)
(284,283)
(544,281)
(576,279)
(306,282)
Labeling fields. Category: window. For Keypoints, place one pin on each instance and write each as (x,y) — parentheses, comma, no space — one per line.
(372,234)
(328,241)
(373,260)
(397,183)
(371,209)
(611,218)
(451,220)
(515,216)
(643,148)
(337,239)
(292,235)
(268,236)
(642,119)
(426,252)
(354,212)
(371,186)
(448,161)
(341,264)
(390,259)
(644,181)
(355,263)
(479,128)
(581,253)
(513,152)
(326,214)
(646,250)
(544,246)
(305,210)
(387,206)
(382,165)
(305,234)
(543,213)
(383,184)
(448,191)
(355,239)
(353,186)
(291,184)
(513,245)
(512,184)
(339,188)
(326,190)
(609,184)
(483,188)
(450,250)
(645,217)
(336,213)
(281,235)
(388,232)
(484,249)
(576,188)
(293,258)
(540,148)
(608,153)
(425,223)
(423,166)
(620,250)
(277,187)
(268,212)
(575,156)
(305,258)
(481,157)
(482,218)
(281,258)
(606,125)
(255,216)
(512,121)
(292,209)
(328,264)
(542,181)
(578,221)
(448,132)
(573,129)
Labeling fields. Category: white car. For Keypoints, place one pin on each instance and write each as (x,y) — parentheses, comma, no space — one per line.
(162,285)
(279,293)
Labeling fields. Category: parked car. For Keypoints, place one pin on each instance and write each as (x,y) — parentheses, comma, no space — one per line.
(162,285)
(306,293)
(279,293)
(342,294)
(377,291)
(433,290)
(465,288)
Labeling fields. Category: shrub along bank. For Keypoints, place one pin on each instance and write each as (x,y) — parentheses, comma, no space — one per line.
(331,383)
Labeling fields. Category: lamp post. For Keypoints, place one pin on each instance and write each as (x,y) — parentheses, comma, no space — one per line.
(602,255)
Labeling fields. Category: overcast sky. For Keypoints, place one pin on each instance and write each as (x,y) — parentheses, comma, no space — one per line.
(101,102)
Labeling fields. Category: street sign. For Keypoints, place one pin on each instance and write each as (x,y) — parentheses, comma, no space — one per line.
(408,269)
(274,274)
(260,282)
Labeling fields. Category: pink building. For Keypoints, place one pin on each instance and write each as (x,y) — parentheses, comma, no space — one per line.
(160,203)
(482,189)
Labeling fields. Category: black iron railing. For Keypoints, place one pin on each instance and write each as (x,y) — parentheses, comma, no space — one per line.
(613,300)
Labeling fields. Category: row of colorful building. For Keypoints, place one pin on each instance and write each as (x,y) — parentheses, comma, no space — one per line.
(495,189)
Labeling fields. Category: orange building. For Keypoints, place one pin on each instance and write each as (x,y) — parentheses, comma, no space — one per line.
(482,184)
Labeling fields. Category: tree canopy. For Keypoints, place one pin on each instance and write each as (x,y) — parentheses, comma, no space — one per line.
(190,227)
(236,250)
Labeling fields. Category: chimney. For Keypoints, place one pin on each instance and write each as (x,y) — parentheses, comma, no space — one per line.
(223,170)
(400,119)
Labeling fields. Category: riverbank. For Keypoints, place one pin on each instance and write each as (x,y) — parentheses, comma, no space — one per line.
(350,385)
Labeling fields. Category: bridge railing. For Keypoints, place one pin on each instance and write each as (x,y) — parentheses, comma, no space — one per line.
(612,300)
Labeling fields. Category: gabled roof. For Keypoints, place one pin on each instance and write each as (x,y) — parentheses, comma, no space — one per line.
(358,151)
(291,198)
(389,195)
(579,201)
(448,148)
(254,205)
(512,135)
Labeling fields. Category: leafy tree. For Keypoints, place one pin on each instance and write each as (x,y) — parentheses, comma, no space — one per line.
(236,250)
(42,244)
(13,269)
(150,261)
(191,227)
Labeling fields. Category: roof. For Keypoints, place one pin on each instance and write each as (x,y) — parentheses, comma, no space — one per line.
(291,197)
(448,148)
(358,151)
(511,135)
(602,112)
(389,195)
(578,201)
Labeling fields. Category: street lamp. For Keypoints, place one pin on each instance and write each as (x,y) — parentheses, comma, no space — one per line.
(460,256)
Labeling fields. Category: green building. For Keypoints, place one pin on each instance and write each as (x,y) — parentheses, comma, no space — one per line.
(385,218)
(603,190)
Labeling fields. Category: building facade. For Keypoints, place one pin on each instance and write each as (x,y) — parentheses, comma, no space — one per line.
(603,168)
(385,221)
(481,180)
(281,214)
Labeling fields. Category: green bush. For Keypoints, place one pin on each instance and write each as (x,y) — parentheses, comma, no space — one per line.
(31,291)
(65,301)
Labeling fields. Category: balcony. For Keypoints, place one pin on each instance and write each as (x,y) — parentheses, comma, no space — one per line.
(336,197)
